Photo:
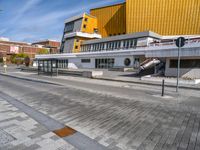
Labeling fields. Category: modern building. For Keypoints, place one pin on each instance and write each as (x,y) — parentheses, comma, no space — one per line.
(131,51)
(166,17)
(77,29)
(120,36)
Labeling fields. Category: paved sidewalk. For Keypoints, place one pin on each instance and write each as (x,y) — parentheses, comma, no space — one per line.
(18,131)
(117,123)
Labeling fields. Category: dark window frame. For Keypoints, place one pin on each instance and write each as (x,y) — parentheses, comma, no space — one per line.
(85,60)
(185,63)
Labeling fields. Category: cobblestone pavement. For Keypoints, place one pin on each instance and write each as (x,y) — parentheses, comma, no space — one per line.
(19,132)
(115,122)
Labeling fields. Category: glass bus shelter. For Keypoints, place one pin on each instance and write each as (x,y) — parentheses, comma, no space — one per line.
(51,66)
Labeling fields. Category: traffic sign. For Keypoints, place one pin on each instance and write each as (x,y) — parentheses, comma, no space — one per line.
(180,42)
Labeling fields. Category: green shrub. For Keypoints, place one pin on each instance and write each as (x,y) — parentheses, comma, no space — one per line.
(18,58)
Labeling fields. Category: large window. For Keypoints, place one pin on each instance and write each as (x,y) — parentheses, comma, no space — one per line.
(187,63)
(104,63)
(69,27)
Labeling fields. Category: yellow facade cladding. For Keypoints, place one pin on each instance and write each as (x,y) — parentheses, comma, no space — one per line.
(166,17)
(77,44)
(89,25)
(111,19)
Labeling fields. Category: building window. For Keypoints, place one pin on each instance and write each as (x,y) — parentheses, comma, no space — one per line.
(187,63)
(85,60)
(127,62)
(95,30)
(84,26)
(76,47)
(86,19)
(69,27)
(104,63)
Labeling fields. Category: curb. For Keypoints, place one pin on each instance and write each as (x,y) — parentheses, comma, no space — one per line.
(105,79)
(148,83)
(31,79)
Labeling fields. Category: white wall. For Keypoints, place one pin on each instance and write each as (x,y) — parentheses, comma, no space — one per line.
(75,63)
(90,65)
(119,61)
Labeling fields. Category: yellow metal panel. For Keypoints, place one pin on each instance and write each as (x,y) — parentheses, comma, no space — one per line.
(90,22)
(77,42)
(111,19)
(166,17)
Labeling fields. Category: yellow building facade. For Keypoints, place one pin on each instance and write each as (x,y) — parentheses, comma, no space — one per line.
(111,19)
(166,17)
(88,25)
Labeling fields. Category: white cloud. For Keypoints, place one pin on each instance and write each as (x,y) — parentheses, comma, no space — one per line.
(22,11)
(30,4)
(45,24)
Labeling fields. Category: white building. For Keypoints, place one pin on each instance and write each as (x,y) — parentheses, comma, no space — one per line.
(130,50)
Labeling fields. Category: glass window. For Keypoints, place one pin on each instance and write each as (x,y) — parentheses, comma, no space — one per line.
(127,62)
(69,27)
(131,43)
(85,60)
(124,44)
(187,63)
(127,44)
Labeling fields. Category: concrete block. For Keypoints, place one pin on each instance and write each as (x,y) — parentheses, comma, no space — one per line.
(92,74)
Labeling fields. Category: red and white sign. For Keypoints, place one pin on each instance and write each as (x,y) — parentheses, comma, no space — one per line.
(14,49)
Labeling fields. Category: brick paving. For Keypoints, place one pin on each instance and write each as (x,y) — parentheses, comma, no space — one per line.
(117,123)
(18,131)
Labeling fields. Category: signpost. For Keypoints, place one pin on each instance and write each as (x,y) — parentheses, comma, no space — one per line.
(180,42)
(4,64)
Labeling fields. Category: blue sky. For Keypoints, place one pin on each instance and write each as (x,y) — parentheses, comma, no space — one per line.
(34,20)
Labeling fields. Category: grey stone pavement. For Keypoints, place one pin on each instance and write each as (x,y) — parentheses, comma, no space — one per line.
(18,131)
(117,115)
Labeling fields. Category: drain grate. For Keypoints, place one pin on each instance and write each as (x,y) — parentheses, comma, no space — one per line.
(5,138)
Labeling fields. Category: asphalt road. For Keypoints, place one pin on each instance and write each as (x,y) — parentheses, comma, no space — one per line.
(118,117)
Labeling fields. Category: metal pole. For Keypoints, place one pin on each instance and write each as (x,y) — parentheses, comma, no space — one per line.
(163,87)
(178,67)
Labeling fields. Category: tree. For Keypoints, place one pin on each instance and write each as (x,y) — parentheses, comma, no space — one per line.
(43,51)
(18,58)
